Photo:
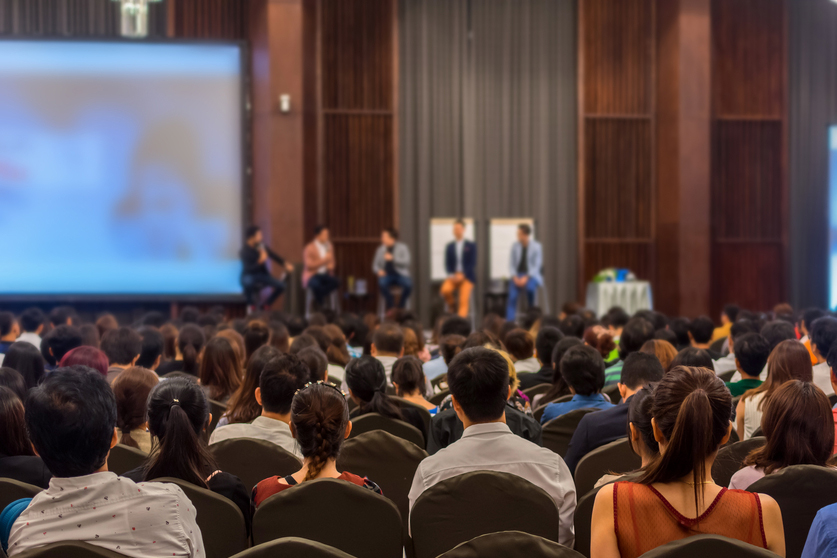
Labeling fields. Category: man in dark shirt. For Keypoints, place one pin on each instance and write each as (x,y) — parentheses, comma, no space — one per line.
(254,273)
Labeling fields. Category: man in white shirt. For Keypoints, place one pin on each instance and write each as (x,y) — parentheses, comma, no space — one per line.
(823,335)
(31,323)
(71,419)
(388,346)
(521,347)
(478,379)
(727,362)
(279,381)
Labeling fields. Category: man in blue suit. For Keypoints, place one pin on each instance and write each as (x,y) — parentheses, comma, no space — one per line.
(461,267)
(525,269)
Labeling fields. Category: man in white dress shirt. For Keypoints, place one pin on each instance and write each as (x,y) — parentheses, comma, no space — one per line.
(281,378)
(71,419)
(478,379)
(32,325)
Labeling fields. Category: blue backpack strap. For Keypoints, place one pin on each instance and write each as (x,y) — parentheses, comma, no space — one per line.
(8,517)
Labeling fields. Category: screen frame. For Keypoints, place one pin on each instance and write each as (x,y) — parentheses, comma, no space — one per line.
(245,156)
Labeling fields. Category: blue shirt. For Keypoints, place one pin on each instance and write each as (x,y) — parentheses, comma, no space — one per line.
(435,368)
(555,410)
(822,538)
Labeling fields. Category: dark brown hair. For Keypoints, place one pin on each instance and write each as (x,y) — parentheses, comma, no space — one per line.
(663,350)
(790,360)
(799,428)
(692,408)
(169,341)
(237,342)
(319,415)
(190,341)
(337,352)
(408,376)
(13,438)
(131,389)
(520,344)
(256,335)
(220,369)
(601,341)
(243,406)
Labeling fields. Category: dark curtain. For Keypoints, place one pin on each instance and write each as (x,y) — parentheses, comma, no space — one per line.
(488,127)
(71,18)
(813,108)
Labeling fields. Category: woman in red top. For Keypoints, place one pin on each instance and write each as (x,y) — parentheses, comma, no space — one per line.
(320,423)
(676,498)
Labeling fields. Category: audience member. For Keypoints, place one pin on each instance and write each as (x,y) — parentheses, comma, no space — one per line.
(337,352)
(169,332)
(237,342)
(521,347)
(388,346)
(71,419)
(680,327)
(694,358)
(89,335)
(806,321)
(131,390)
(17,460)
(106,323)
(9,332)
(663,350)
(788,361)
(727,362)
(823,336)
(256,335)
(583,370)
(178,414)
(279,336)
(479,383)
(190,340)
(700,335)
(243,406)
(409,382)
(151,351)
(301,342)
(572,326)
(799,428)
(608,425)
(559,385)
(675,496)
(317,363)
(667,335)
(87,356)
(319,423)
(728,316)
(280,378)
(598,337)
(31,323)
(12,379)
(545,343)
(27,360)
(63,315)
(633,336)
(60,341)
(751,353)
(220,370)
(367,383)
(122,347)
(449,346)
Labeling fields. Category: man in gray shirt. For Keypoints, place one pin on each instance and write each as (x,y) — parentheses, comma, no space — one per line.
(392,266)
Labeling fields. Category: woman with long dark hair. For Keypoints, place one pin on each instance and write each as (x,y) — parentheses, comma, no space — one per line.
(243,406)
(675,497)
(131,389)
(320,423)
(26,359)
(190,341)
(178,414)
(220,370)
(17,460)
(799,427)
(367,382)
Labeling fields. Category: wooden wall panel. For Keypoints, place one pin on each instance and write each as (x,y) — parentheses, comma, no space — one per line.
(746,273)
(209,19)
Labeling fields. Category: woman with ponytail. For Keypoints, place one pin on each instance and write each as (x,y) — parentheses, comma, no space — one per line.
(675,497)
(320,423)
(190,340)
(131,389)
(178,414)
(367,382)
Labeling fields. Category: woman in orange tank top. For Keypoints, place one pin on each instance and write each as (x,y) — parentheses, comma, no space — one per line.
(676,497)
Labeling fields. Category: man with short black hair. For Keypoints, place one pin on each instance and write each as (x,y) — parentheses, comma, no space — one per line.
(280,379)
(545,343)
(521,347)
(479,386)
(823,336)
(583,369)
(71,420)
(32,325)
(151,350)
(122,346)
(727,362)
(751,352)
(62,315)
(62,340)
(9,332)
(388,346)
(392,266)
(597,429)
(634,335)
(700,335)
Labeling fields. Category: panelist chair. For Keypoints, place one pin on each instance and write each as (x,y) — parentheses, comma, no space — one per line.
(333,301)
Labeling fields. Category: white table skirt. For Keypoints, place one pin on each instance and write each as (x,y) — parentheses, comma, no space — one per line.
(630,295)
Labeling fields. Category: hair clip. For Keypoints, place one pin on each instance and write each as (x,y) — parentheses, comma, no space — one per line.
(320,383)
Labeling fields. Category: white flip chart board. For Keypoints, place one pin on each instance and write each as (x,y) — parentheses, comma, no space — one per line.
(441,233)
(502,235)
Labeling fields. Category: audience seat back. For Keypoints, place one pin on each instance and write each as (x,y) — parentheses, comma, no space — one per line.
(801,491)
(613,393)
(731,458)
(616,457)
(12,490)
(439,397)
(222,526)
(701,546)
(466,506)
(124,458)
(727,376)
(254,460)
(70,549)
(583,516)
(388,460)
(558,432)
(510,544)
(334,512)
(373,421)
(425,414)
(538,413)
(536,390)
(293,547)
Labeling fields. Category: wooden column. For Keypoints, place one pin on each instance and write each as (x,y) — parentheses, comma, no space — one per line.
(683,157)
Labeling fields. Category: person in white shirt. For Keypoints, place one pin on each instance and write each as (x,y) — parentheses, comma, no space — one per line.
(823,335)
(71,419)
(280,379)
(479,383)
(31,323)
(727,362)
(521,347)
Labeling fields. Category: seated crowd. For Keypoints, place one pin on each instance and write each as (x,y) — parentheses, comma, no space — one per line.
(676,392)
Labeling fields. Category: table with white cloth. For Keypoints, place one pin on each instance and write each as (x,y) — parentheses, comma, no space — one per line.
(630,295)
